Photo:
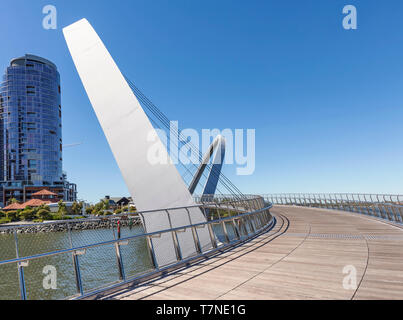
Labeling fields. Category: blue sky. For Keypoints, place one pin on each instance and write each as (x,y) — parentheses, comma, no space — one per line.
(326,103)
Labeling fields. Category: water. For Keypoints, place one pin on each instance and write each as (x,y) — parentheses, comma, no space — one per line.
(98,265)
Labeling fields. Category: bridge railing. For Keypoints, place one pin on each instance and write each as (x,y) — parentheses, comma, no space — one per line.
(384,206)
(73,260)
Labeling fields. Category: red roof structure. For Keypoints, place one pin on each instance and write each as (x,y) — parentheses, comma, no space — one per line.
(35,203)
(14,206)
(44,192)
(31,203)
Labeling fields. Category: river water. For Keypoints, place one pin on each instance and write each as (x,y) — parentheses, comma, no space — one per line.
(98,265)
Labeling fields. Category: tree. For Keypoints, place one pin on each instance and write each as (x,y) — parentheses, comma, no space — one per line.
(89,210)
(12,215)
(44,214)
(106,204)
(81,206)
(13,200)
(76,208)
(62,211)
(27,214)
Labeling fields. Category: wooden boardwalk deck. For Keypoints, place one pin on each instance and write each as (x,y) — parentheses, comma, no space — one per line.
(303,257)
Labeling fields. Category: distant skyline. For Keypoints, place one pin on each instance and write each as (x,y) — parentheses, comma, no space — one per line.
(326,103)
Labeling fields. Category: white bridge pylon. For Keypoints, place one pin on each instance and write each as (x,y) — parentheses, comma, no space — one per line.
(127,128)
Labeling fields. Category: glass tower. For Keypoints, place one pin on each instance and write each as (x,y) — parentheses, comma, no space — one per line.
(30,126)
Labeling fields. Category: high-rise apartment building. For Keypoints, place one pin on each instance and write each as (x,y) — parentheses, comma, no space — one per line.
(31,131)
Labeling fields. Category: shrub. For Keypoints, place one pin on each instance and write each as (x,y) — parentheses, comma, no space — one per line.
(62,210)
(44,214)
(76,207)
(44,207)
(107,213)
(27,214)
(118,211)
(4,220)
(12,215)
(2,214)
(55,216)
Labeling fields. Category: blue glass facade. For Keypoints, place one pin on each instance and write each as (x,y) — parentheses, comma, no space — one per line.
(30,124)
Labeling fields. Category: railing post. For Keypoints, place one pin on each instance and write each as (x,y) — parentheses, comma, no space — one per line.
(151,252)
(23,291)
(77,273)
(400,212)
(174,236)
(237,234)
(326,202)
(150,247)
(394,209)
(212,236)
(119,260)
(196,238)
(176,244)
(118,254)
(259,220)
(367,205)
(252,228)
(386,206)
(224,228)
(348,202)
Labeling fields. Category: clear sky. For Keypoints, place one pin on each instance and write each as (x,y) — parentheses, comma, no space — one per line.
(326,103)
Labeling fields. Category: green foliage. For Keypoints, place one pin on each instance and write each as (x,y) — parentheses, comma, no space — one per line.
(12,215)
(27,214)
(13,200)
(107,213)
(2,214)
(45,207)
(77,207)
(4,220)
(44,214)
(89,209)
(217,213)
(57,216)
(62,210)
(106,204)
(118,211)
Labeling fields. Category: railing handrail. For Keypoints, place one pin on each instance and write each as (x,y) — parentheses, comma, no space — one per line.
(248,215)
(385,206)
(97,244)
(116,216)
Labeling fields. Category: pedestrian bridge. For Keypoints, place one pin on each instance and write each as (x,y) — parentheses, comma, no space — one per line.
(310,253)
(308,247)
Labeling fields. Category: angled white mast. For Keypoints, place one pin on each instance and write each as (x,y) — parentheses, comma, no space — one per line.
(127,129)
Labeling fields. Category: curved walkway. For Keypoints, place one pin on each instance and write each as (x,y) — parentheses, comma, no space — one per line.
(307,255)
